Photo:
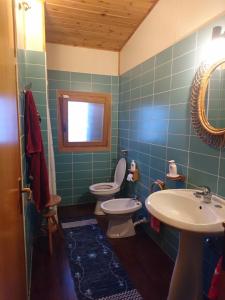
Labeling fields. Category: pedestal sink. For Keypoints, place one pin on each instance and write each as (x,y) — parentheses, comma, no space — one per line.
(194,218)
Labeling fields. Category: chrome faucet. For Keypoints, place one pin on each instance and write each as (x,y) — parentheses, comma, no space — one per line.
(205,193)
(135,198)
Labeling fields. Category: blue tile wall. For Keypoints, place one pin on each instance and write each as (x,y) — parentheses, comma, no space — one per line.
(76,171)
(155,126)
(31,67)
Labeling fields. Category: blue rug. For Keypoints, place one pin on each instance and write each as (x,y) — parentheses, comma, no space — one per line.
(96,271)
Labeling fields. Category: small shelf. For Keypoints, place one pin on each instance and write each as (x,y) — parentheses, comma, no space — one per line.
(180,178)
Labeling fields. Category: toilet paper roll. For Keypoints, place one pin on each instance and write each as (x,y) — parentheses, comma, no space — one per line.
(130,177)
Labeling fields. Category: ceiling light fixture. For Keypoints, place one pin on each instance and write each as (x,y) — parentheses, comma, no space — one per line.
(24,5)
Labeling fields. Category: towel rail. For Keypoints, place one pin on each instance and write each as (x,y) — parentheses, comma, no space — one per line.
(27,87)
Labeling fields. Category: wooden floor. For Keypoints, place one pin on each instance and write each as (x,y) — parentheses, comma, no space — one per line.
(148,267)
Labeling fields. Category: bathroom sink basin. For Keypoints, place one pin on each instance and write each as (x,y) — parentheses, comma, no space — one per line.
(182,210)
(194,218)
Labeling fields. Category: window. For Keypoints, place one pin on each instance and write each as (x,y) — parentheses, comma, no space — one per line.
(84,121)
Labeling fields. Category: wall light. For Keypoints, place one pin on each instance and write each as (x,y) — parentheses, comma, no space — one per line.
(216,47)
(217,32)
(24,5)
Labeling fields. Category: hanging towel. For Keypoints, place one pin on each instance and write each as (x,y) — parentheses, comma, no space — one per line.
(37,168)
(155,224)
(221,295)
(215,282)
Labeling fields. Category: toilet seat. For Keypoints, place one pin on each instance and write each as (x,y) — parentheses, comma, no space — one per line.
(107,188)
(104,188)
(120,171)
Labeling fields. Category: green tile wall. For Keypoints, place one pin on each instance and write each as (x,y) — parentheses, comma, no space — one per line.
(76,171)
(155,126)
(31,67)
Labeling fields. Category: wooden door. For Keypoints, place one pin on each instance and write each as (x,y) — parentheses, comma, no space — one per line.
(12,253)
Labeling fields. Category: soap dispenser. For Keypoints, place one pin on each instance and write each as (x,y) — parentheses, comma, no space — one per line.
(172,169)
(133,172)
(172,175)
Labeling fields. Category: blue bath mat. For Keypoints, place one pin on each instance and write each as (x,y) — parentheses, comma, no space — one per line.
(96,271)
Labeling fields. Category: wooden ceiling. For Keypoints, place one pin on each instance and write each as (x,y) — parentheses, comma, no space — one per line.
(100,24)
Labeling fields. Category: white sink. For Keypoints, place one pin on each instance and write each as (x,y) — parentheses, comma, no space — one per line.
(194,218)
(182,210)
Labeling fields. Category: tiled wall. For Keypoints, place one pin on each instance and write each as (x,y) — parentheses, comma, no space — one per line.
(155,126)
(31,69)
(76,171)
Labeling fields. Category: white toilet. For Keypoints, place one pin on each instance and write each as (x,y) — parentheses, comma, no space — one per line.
(119,212)
(106,190)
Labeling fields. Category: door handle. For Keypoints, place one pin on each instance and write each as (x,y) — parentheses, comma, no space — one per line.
(25,190)
(28,191)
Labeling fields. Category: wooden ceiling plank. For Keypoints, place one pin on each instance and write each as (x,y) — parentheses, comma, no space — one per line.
(71,22)
(86,34)
(115,4)
(88,16)
(55,25)
(96,44)
(100,24)
(88,43)
(121,10)
(102,19)
(81,32)
(101,13)
(84,19)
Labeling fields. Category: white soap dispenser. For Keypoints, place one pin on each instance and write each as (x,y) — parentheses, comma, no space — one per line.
(172,169)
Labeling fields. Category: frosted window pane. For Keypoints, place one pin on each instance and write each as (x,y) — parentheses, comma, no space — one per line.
(85,121)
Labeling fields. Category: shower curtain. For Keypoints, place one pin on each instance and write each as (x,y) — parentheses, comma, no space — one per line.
(51,159)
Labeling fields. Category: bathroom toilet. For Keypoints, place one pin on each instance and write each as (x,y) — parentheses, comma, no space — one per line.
(119,212)
(106,190)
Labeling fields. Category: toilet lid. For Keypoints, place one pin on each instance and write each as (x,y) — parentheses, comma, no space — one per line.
(120,171)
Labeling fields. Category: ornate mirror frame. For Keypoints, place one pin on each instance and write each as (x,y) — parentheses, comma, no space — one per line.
(209,134)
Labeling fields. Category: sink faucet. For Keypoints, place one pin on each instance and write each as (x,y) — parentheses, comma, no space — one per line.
(205,193)
(135,198)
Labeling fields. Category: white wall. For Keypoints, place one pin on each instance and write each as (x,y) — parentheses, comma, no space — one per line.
(84,60)
(35,26)
(30,26)
(167,23)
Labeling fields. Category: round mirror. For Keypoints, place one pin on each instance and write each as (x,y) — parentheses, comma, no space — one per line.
(208,103)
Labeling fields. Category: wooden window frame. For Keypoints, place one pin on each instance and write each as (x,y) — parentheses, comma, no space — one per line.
(62,121)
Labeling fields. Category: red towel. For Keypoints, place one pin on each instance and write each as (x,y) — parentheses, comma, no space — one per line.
(214,288)
(155,224)
(35,154)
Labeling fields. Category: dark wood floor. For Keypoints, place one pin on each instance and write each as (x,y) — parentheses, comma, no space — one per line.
(148,267)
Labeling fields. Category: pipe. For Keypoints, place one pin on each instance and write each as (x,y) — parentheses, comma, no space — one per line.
(143,220)
(159,183)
